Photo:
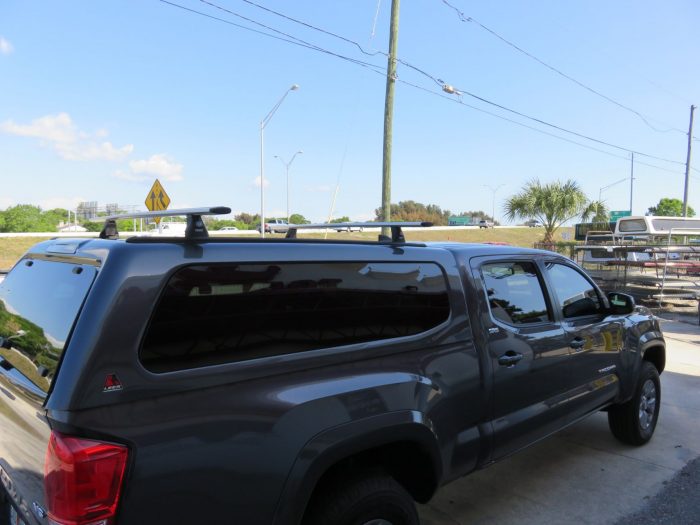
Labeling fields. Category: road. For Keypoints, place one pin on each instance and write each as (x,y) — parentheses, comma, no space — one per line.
(583,475)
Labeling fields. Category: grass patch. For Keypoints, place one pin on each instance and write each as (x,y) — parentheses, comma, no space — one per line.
(12,248)
(525,237)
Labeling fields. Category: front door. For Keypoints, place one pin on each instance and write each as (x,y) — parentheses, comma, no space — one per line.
(528,351)
(595,338)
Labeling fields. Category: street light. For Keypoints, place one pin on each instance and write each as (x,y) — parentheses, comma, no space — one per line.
(286,166)
(600,191)
(493,203)
(264,123)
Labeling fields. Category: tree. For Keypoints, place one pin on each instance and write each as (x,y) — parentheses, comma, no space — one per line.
(344,218)
(596,212)
(25,218)
(415,211)
(552,204)
(670,208)
(297,218)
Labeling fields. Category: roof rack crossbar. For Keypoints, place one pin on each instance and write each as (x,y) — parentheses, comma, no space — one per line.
(397,235)
(195,229)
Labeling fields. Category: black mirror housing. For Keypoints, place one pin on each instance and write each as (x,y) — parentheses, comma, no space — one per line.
(621,303)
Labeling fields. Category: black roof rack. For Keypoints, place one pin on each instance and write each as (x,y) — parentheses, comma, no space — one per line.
(396,233)
(195,225)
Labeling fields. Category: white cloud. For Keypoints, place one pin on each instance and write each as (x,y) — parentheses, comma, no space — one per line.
(5,47)
(256,182)
(52,128)
(60,134)
(124,175)
(93,151)
(158,164)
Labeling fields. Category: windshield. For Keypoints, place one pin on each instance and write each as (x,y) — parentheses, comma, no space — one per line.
(39,302)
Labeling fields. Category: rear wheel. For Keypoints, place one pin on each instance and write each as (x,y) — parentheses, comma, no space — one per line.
(373,499)
(634,422)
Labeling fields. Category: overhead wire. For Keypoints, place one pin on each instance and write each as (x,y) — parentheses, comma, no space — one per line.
(441,83)
(465,18)
(379,70)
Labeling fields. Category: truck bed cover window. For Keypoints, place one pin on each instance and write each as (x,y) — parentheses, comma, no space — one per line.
(213,314)
(39,302)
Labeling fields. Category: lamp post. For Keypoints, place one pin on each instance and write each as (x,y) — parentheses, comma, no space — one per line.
(264,123)
(493,202)
(286,166)
(603,188)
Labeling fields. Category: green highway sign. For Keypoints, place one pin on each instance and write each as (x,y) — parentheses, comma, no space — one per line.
(617,214)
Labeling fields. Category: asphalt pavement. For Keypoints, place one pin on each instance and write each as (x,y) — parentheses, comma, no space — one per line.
(583,475)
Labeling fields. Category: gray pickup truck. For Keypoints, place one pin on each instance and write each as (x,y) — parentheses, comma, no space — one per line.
(228,381)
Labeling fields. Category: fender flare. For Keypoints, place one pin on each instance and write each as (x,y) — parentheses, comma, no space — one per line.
(333,445)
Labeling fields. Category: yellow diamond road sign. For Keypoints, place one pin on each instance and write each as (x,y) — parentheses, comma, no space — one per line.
(157,199)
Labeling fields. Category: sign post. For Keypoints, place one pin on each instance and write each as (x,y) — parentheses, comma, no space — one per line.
(157,199)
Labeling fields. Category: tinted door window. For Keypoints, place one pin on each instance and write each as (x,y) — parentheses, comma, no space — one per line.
(515,293)
(575,293)
(226,313)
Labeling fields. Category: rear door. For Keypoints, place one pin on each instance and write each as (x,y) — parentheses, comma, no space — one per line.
(528,350)
(595,338)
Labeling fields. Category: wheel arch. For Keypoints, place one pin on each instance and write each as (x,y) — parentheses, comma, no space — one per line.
(654,351)
(376,441)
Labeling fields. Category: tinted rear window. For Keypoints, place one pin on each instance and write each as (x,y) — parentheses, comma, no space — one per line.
(39,302)
(226,313)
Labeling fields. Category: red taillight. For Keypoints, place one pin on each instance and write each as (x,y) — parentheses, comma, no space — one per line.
(82,480)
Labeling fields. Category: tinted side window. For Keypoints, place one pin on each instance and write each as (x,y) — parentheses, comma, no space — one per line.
(515,293)
(576,294)
(225,313)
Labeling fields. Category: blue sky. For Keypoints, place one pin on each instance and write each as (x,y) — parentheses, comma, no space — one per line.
(100,98)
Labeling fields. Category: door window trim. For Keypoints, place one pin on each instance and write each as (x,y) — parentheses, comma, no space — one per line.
(540,278)
(555,297)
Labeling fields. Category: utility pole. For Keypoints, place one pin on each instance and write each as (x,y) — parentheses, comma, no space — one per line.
(389,113)
(687,163)
(631,182)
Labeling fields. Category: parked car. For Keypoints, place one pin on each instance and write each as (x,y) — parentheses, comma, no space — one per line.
(275,226)
(485,224)
(197,380)
(229,229)
(532,223)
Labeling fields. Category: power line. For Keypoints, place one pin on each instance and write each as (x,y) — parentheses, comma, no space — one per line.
(379,70)
(442,84)
(290,39)
(465,18)
(481,110)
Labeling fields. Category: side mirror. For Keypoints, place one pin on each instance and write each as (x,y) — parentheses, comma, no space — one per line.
(621,303)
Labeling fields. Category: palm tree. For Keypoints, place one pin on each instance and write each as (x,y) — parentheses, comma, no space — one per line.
(552,204)
(597,212)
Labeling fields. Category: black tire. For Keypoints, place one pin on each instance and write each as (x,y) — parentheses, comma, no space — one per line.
(634,422)
(363,500)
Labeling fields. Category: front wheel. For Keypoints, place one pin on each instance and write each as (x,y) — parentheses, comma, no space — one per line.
(374,499)
(634,422)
